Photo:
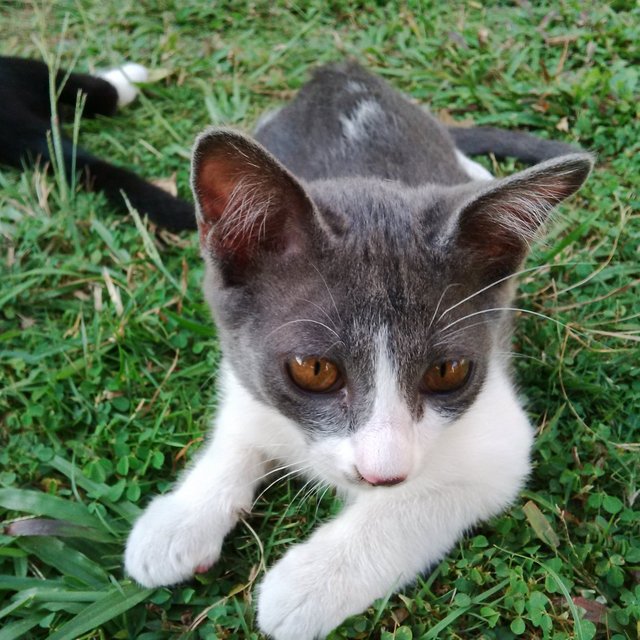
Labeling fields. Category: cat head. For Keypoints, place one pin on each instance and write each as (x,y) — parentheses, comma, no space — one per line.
(368,313)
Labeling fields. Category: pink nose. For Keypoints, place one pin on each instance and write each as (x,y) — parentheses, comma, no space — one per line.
(382,482)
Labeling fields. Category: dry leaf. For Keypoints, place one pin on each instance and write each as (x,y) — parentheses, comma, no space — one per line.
(173,239)
(167,184)
(546,21)
(444,115)
(155,75)
(26,322)
(399,615)
(483,36)
(97,297)
(542,106)
(595,611)
(540,524)
(565,39)
(106,395)
(114,292)
(457,39)
(563,125)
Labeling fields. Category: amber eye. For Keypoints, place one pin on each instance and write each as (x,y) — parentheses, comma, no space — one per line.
(314,374)
(448,375)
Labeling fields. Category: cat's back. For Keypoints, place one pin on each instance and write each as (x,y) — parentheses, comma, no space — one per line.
(347,122)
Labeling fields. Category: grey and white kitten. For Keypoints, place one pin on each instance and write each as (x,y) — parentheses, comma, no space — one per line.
(358,267)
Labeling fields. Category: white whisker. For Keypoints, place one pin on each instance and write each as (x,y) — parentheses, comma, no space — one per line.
(271,472)
(435,313)
(447,338)
(316,487)
(501,280)
(335,306)
(489,286)
(317,306)
(286,324)
(320,499)
(311,481)
(291,473)
(514,309)
(521,356)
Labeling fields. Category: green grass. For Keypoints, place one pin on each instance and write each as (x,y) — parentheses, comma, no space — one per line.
(102,404)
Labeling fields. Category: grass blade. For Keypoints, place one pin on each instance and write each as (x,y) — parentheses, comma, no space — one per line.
(445,622)
(17,629)
(10,583)
(43,504)
(114,603)
(55,528)
(65,559)
(126,510)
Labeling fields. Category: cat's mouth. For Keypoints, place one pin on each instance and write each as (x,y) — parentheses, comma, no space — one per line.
(375,481)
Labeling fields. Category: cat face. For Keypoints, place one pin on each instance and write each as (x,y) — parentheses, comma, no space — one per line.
(367,313)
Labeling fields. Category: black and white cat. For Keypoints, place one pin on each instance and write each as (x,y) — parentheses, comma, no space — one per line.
(359,269)
(25,119)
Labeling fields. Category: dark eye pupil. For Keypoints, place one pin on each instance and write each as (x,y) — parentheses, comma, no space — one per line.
(446,376)
(314,374)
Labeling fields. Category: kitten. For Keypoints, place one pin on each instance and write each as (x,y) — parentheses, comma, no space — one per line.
(361,281)
(25,119)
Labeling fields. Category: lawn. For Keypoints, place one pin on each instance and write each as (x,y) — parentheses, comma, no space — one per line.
(108,356)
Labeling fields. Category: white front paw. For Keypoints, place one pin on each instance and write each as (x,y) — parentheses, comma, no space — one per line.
(171,541)
(306,595)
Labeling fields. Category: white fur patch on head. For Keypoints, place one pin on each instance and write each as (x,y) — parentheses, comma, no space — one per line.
(384,447)
(123,79)
(354,125)
(382,451)
(355,87)
(472,169)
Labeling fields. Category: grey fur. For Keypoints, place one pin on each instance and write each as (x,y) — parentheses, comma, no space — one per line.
(370,230)
(308,134)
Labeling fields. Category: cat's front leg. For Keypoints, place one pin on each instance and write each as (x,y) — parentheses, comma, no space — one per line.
(181,533)
(378,544)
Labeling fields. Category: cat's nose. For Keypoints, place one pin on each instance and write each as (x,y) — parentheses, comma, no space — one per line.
(378,481)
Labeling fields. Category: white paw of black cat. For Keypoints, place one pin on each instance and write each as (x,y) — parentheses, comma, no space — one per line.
(123,78)
(305,595)
(171,542)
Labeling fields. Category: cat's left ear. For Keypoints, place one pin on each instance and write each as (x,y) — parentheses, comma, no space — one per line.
(248,204)
(497,225)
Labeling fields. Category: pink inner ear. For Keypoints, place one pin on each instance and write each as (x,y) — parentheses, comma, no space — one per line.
(248,202)
(502,223)
(217,181)
(215,184)
(484,232)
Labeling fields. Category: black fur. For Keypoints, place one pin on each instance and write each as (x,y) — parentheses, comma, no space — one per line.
(474,141)
(25,118)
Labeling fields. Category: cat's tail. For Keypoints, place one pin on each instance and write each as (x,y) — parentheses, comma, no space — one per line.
(503,143)
(25,113)
(163,209)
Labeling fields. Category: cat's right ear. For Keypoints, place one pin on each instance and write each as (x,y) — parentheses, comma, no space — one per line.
(248,204)
(496,225)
